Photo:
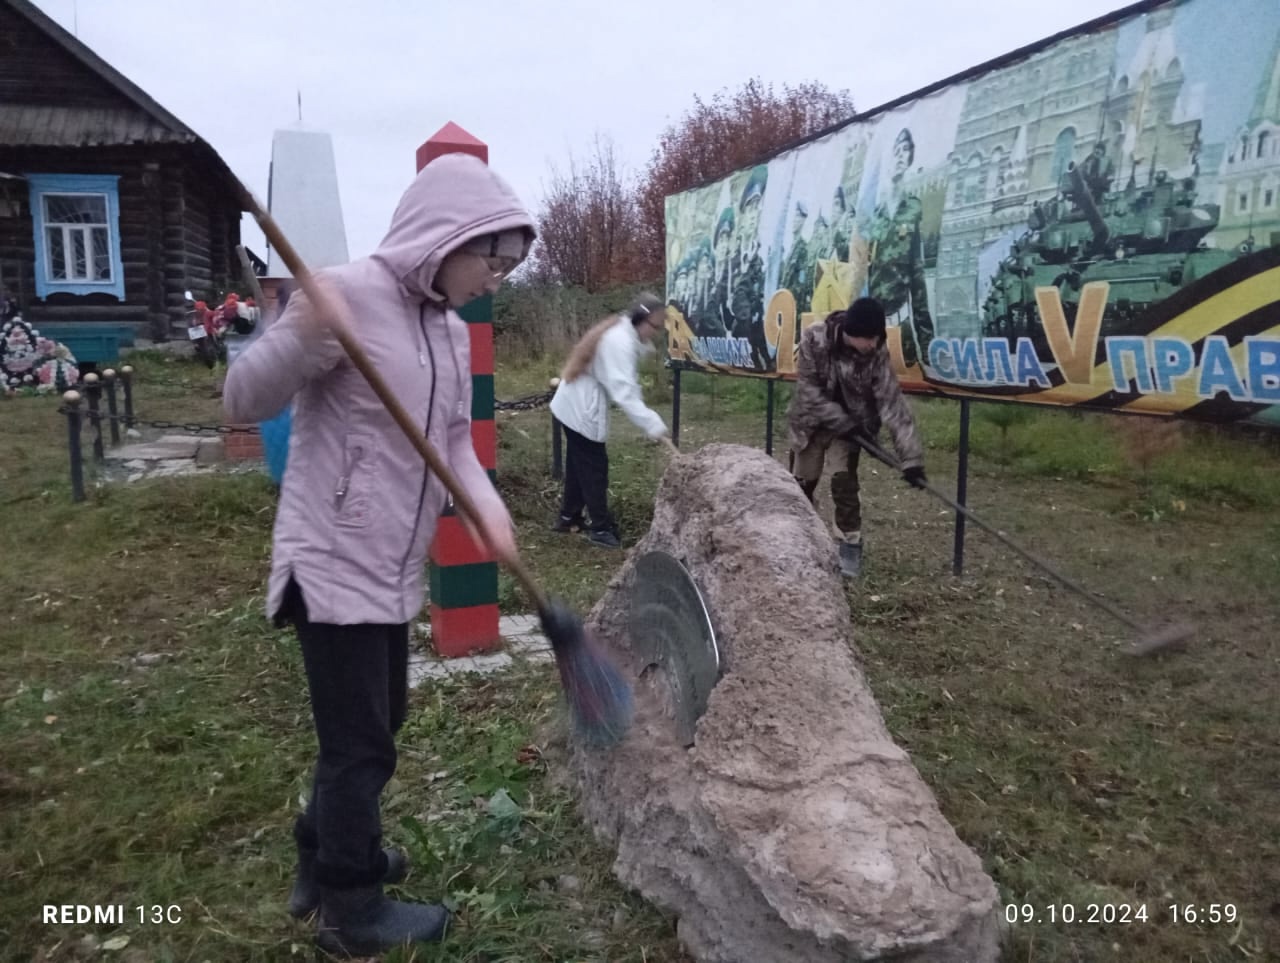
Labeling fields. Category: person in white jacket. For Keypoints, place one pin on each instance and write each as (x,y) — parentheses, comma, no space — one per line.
(602,367)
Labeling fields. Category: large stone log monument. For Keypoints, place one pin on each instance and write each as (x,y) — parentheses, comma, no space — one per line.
(792,829)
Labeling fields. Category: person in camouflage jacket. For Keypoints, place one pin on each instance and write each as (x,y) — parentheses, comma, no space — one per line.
(846,386)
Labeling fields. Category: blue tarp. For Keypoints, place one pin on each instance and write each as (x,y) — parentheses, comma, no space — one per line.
(275,431)
(275,443)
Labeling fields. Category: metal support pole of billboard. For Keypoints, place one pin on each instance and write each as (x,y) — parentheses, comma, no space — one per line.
(962,486)
(768,418)
(675,406)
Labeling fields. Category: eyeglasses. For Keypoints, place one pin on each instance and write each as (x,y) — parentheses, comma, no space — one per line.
(499,267)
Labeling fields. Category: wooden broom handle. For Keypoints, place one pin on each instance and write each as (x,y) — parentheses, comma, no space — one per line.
(329,312)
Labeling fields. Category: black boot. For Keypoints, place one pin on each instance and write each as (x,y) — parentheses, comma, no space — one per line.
(565,523)
(363,922)
(304,898)
(850,558)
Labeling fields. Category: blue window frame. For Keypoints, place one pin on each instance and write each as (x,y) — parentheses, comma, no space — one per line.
(76,218)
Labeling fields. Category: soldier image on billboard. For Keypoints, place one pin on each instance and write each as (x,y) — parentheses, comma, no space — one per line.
(896,269)
(842,224)
(1098,170)
(797,273)
(722,289)
(702,274)
(679,299)
(706,312)
(691,280)
(821,244)
(747,304)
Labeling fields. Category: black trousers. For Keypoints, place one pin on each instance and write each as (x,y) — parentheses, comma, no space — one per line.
(586,481)
(358,679)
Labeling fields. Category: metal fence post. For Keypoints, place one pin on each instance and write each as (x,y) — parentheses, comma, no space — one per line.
(962,487)
(126,378)
(109,377)
(72,401)
(768,421)
(93,390)
(675,406)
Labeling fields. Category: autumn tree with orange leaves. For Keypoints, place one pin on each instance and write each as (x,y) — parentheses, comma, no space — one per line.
(587,224)
(729,132)
(597,229)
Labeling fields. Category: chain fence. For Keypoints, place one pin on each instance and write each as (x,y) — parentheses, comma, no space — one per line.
(527,403)
(92,414)
(186,426)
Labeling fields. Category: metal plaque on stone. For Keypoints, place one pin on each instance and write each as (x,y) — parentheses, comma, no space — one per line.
(671,630)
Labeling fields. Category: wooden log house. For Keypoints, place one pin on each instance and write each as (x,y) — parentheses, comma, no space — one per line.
(110,207)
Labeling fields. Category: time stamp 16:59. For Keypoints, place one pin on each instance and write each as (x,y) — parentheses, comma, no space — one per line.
(1121,914)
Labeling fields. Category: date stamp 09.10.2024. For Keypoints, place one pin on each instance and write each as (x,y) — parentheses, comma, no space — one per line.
(1122,914)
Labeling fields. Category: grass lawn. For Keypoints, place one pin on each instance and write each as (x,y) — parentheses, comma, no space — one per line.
(157,736)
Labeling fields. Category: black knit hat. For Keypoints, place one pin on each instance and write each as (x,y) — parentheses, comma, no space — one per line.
(864,319)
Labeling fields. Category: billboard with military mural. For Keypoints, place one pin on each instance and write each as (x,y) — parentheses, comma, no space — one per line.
(1093,221)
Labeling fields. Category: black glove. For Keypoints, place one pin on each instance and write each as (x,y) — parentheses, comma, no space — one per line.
(914,476)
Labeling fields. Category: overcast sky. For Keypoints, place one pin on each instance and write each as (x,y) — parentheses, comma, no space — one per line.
(535,80)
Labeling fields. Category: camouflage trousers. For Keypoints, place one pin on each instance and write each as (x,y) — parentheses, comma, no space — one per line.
(807,469)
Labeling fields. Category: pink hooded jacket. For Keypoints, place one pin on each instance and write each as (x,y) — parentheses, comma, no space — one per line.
(358,507)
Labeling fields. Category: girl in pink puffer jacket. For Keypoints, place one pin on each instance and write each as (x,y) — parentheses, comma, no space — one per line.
(358,510)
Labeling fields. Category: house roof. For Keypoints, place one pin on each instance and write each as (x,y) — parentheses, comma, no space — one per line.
(142,121)
(43,126)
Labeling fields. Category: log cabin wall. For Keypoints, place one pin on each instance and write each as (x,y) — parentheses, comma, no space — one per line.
(175,234)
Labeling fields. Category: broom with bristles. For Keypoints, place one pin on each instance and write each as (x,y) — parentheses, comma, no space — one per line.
(599,697)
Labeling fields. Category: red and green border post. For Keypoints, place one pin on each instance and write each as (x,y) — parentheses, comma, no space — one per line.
(464,579)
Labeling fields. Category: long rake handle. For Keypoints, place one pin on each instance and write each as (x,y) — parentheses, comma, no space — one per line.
(332,315)
(1044,566)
